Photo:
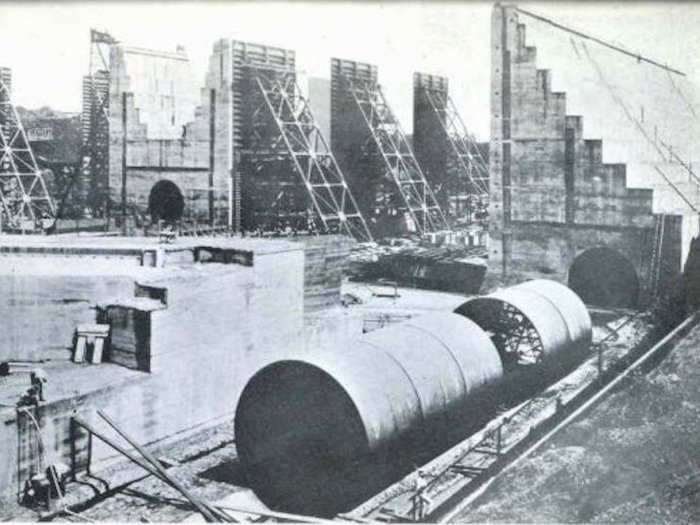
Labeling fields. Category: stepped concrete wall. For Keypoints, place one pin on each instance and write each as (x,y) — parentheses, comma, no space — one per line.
(552,196)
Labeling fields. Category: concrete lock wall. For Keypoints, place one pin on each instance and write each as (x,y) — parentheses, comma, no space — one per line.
(168,132)
(552,195)
(196,373)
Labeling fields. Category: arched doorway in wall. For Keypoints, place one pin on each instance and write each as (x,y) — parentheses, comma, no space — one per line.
(165,202)
(604,277)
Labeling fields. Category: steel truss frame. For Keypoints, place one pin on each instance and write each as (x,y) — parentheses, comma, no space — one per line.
(23,192)
(466,157)
(400,163)
(515,337)
(96,117)
(296,137)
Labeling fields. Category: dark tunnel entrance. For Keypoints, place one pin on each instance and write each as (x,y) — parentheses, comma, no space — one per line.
(165,202)
(300,440)
(605,277)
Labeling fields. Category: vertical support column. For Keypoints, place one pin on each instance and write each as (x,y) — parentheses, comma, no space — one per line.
(235,171)
(124,137)
(500,151)
(569,160)
(506,144)
(233,130)
(212,138)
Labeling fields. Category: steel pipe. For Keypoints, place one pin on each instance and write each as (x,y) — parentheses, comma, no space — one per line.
(315,426)
(539,317)
(570,306)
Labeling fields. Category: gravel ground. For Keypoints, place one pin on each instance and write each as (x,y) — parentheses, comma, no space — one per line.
(634,459)
(204,462)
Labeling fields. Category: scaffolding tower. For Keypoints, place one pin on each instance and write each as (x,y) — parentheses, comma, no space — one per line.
(445,148)
(387,169)
(95,122)
(25,199)
(289,176)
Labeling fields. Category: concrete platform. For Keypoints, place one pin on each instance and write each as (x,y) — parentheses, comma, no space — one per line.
(132,251)
(181,364)
(213,324)
(67,380)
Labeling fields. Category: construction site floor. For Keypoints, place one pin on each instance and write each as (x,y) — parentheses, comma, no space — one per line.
(204,462)
(634,459)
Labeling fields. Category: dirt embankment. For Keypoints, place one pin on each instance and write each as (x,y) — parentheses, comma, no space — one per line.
(634,459)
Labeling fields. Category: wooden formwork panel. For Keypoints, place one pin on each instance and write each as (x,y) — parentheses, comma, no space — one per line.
(349,132)
(246,99)
(430,144)
(429,81)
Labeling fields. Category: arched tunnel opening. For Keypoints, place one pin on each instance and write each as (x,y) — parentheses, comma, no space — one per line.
(165,202)
(301,441)
(606,278)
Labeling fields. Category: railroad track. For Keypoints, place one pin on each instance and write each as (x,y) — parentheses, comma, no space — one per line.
(450,483)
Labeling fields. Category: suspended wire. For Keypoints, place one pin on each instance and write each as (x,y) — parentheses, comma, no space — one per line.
(682,95)
(580,34)
(679,192)
(669,70)
(681,162)
(638,125)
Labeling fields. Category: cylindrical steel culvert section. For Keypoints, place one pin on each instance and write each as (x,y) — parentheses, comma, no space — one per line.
(532,322)
(573,310)
(319,433)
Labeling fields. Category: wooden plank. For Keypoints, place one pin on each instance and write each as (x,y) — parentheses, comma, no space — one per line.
(97,350)
(79,352)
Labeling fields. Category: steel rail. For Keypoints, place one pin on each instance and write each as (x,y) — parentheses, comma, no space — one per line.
(595,399)
(485,438)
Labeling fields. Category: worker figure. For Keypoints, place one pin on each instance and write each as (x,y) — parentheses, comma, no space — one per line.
(36,392)
(421,500)
(48,223)
(38,380)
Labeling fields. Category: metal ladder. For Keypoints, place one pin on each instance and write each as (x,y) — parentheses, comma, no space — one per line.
(655,264)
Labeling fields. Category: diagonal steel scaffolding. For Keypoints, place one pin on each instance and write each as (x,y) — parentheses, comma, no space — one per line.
(288,177)
(400,164)
(23,193)
(464,154)
(297,135)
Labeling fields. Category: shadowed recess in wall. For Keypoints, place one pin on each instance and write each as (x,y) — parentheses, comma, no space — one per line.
(165,202)
(604,277)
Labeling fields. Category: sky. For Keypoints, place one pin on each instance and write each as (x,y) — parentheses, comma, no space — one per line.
(47,43)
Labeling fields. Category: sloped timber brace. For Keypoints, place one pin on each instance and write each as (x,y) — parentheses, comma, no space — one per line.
(464,156)
(23,194)
(299,137)
(400,164)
